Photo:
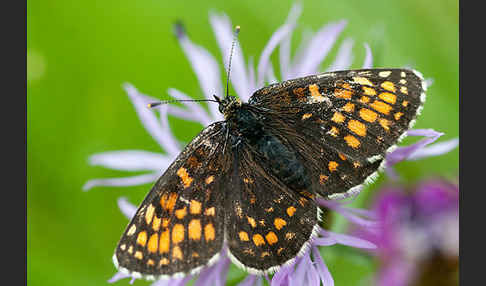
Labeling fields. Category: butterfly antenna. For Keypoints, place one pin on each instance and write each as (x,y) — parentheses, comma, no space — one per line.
(154,104)
(237,31)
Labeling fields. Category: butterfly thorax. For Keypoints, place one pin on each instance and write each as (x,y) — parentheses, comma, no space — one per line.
(246,126)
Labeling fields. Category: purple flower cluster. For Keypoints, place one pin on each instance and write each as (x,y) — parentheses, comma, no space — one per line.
(310,268)
(417,235)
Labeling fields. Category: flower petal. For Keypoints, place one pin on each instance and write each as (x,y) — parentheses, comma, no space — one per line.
(118,276)
(435,149)
(264,61)
(131,160)
(249,280)
(282,274)
(368,61)
(224,32)
(402,153)
(127,208)
(284,51)
(317,49)
(205,67)
(122,182)
(322,269)
(344,57)
(298,276)
(146,115)
(349,240)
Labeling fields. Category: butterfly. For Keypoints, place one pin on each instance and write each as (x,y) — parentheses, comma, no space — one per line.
(248,184)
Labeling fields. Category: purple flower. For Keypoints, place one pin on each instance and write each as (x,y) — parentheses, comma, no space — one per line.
(310,267)
(418,234)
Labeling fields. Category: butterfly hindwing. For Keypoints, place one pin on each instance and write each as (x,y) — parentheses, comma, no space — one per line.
(267,223)
(179,225)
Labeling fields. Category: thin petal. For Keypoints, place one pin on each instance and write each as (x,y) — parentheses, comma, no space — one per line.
(127,208)
(270,75)
(349,215)
(195,107)
(317,49)
(284,51)
(248,281)
(298,276)
(264,61)
(205,67)
(251,74)
(122,182)
(322,269)
(435,149)
(282,274)
(131,160)
(368,61)
(349,240)
(344,57)
(224,33)
(170,142)
(402,153)
(118,276)
(146,115)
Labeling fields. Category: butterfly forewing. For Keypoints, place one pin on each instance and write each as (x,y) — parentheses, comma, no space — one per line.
(360,113)
(179,226)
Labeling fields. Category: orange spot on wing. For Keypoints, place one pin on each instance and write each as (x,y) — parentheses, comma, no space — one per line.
(362,81)
(258,240)
(352,141)
(243,236)
(334,132)
(388,85)
(323,178)
(333,166)
(349,107)
(164,261)
(156,223)
(150,262)
(381,107)
(367,115)
(388,97)
(132,230)
(404,90)
(314,90)
(177,253)
(369,91)
(178,233)
(279,223)
(364,99)
(345,92)
(357,127)
(149,213)
(251,221)
(195,207)
(271,238)
(186,179)
(194,229)
(337,117)
(291,211)
(209,232)
(138,255)
(385,124)
(181,213)
(164,243)
(405,103)
(398,115)
(306,115)
(210,211)
(153,243)
(142,238)
(341,156)
(209,180)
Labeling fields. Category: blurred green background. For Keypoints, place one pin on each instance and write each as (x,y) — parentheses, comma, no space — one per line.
(79,54)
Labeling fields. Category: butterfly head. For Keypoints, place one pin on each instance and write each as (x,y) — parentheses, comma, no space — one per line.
(228,105)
